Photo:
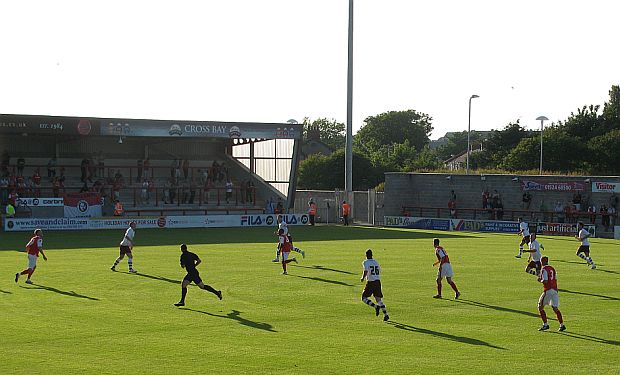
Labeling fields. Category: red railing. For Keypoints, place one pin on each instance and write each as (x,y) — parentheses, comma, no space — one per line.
(206,211)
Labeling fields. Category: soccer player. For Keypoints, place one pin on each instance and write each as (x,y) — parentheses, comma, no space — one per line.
(126,247)
(524,232)
(33,248)
(444,270)
(284,226)
(534,266)
(583,251)
(190,261)
(549,279)
(284,246)
(372,274)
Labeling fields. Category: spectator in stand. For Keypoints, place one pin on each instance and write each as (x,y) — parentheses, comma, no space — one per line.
(167,188)
(83,169)
(215,171)
(249,191)
(21,187)
(140,168)
(192,190)
(10,210)
(612,216)
(223,172)
(173,190)
(185,191)
(116,190)
(577,201)
(21,163)
(13,196)
(62,177)
(495,199)
(527,200)
(101,164)
(118,177)
(177,172)
(485,199)
(592,214)
(559,211)
(500,210)
(173,167)
(279,207)
(229,190)
(605,217)
(269,206)
(185,168)
(36,184)
(452,208)
(147,168)
(51,168)
(4,190)
(452,195)
(144,192)
(118,208)
(84,188)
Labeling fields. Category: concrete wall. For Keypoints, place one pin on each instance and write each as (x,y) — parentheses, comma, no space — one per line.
(433,190)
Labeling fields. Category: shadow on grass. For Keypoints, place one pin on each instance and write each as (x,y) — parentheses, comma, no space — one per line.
(446,336)
(609,298)
(493,307)
(580,336)
(569,261)
(236,316)
(321,268)
(5,292)
(335,282)
(87,239)
(159,278)
(69,293)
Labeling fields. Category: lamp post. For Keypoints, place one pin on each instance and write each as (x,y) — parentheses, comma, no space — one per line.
(542,119)
(469,129)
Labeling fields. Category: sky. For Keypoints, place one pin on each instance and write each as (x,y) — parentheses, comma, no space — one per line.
(275,60)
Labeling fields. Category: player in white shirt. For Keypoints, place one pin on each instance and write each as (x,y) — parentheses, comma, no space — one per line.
(583,251)
(524,232)
(534,266)
(126,246)
(282,225)
(372,274)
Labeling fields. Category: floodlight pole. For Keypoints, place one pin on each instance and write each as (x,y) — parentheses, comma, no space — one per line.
(348,168)
(542,119)
(469,130)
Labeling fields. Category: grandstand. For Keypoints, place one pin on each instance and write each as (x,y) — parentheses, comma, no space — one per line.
(186,164)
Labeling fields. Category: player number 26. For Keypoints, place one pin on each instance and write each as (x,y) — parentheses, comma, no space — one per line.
(374,270)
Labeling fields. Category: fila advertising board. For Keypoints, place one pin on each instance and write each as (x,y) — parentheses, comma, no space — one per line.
(190,221)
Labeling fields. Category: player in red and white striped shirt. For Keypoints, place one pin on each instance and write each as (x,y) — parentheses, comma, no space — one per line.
(549,279)
(33,248)
(445,269)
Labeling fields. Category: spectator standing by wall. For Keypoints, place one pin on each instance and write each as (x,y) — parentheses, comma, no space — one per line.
(605,217)
(249,191)
(577,201)
(485,199)
(140,164)
(311,211)
(21,163)
(147,168)
(612,216)
(346,210)
(527,200)
(185,168)
(592,214)
(192,190)
(173,167)
(229,190)
(10,210)
(51,168)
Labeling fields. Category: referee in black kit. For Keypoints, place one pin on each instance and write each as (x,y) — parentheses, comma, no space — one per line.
(189,261)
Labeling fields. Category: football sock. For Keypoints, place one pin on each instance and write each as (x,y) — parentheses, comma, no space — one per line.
(439,288)
(590,260)
(296,249)
(368,302)
(582,256)
(453,285)
(183,294)
(25,272)
(532,271)
(116,262)
(559,315)
(210,289)
(520,250)
(383,309)
(130,262)
(543,315)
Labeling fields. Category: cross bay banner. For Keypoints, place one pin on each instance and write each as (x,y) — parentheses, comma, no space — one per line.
(82,205)
(213,129)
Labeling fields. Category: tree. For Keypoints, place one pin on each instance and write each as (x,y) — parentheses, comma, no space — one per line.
(327,172)
(499,145)
(606,151)
(332,132)
(393,128)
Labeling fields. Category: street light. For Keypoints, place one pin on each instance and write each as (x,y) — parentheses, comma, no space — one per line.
(541,119)
(469,129)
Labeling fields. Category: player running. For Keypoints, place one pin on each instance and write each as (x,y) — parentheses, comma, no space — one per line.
(524,232)
(372,274)
(583,251)
(33,248)
(534,266)
(284,247)
(190,261)
(284,226)
(444,270)
(549,278)
(126,246)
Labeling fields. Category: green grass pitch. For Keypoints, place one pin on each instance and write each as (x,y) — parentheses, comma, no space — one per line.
(80,317)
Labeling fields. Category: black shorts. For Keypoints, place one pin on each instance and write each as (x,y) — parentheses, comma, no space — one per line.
(534,264)
(193,277)
(373,288)
(125,250)
(525,239)
(584,249)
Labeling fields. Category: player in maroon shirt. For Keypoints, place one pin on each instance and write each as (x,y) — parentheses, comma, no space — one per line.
(548,278)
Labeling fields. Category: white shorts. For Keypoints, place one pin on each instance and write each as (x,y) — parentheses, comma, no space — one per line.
(549,297)
(445,271)
(32,261)
(285,255)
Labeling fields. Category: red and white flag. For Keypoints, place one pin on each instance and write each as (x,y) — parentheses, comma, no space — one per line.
(82,205)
